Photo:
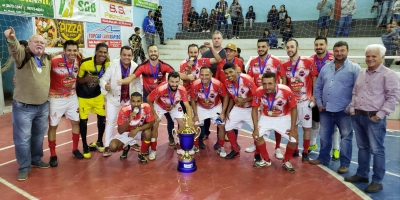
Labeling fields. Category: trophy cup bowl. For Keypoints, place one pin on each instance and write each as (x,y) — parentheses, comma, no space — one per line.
(186,137)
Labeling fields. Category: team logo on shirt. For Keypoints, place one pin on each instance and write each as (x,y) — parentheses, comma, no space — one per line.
(68,81)
(165,95)
(200,90)
(307,117)
(279,103)
(302,73)
(62,64)
(212,95)
(288,68)
(180,109)
(256,64)
(242,91)
(204,62)
(297,84)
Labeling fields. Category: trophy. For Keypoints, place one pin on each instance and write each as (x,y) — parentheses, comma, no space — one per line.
(186,137)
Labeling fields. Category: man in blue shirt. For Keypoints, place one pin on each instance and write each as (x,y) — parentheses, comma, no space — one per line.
(149,28)
(333,92)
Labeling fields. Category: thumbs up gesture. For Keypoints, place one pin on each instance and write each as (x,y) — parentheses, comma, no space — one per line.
(108,86)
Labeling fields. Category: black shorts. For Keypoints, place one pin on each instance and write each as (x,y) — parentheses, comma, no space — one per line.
(315,114)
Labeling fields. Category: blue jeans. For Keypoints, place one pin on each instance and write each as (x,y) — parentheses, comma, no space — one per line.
(222,19)
(344,22)
(29,126)
(328,121)
(386,10)
(370,137)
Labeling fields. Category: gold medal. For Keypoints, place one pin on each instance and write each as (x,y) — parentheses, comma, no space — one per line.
(260,76)
(39,70)
(155,81)
(270,113)
(293,79)
(206,101)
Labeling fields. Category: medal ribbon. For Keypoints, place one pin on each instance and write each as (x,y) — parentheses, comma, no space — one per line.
(322,63)
(265,64)
(154,72)
(124,75)
(209,89)
(236,91)
(271,104)
(99,74)
(73,66)
(295,67)
(38,61)
(172,100)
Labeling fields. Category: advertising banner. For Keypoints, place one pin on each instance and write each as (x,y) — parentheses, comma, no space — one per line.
(116,13)
(150,4)
(103,33)
(77,10)
(24,7)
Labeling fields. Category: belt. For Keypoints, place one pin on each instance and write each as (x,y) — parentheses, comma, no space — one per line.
(366,113)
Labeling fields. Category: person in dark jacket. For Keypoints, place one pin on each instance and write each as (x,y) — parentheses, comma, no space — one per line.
(159,24)
(283,14)
(203,19)
(212,19)
(193,16)
(271,37)
(250,17)
(273,17)
(287,30)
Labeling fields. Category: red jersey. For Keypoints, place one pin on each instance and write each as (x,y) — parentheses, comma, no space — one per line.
(152,75)
(299,77)
(195,71)
(278,104)
(220,68)
(258,67)
(145,115)
(319,63)
(63,77)
(243,88)
(167,99)
(207,96)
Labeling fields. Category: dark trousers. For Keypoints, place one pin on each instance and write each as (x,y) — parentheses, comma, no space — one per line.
(160,31)
(235,25)
(139,52)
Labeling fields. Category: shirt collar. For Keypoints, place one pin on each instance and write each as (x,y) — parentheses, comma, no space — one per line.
(379,69)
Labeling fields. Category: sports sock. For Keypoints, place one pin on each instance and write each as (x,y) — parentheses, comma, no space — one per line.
(233,140)
(145,146)
(75,141)
(101,126)
(263,151)
(278,138)
(52,147)
(153,144)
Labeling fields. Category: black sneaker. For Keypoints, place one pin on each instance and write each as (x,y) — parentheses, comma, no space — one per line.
(142,158)
(77,154)
(40,164)
(96,146)
(257,157)
(232,154)
(171,141)
(216,146)
(146,153)
(202,145)
(53,161)
(305,158)
(296,153)
(125,152)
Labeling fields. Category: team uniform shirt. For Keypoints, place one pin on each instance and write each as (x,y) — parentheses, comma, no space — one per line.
(244,87)
(258,67)
(136,39)
(152,75)
(195,70)
(299,77)
(166,99)
(92,89)
(63,77)
(207,96)
(220,68)
(145,115)
(275,105)
(320,62)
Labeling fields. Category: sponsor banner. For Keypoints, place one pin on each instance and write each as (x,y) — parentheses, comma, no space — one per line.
(150,4)
(103,33)
(117,14)
(56,31)
(26,7)
(78,10)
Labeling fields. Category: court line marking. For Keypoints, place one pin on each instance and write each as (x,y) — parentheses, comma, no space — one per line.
(17,189)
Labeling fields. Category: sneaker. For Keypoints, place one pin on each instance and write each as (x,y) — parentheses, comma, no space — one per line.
(106,152)
(232,154)
(250,149)
(152,155)
(180,152)
(125,152)
(257,157)
(77,154)
(22,175)
(278,154)
(216,146)
(296,153)
(146,153)
(262,163)
(305,158)
(312,147)
(135,147)
(196,149)
(202,145)
(53,161)
(288,166)
(191,152)
(40,164)
(335,154)
(86,153)
(222,153)
(171,141)
(96,145)
(142,158)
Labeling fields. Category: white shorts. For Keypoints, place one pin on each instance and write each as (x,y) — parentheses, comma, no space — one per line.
(60,106)
(304,114)
(236,118)
(124,138)
(203,114)
(278,124)
(176,113)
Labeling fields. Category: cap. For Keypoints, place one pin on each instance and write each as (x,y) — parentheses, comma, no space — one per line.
(231,46)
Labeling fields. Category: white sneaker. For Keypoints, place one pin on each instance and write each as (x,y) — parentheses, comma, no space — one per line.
(191,152)
(288,166)
(180,151)
(262,163)
(152,155)
(196,150)
(221,151)
(251,148)
(278,154)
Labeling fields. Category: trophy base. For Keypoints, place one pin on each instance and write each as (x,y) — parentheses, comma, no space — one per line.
(187,167)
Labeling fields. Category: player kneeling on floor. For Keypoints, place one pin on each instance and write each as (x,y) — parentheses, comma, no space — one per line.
(134,122)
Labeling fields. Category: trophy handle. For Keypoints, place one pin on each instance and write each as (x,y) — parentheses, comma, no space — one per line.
(198,130)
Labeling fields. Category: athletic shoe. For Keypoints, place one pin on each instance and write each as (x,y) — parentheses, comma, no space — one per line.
(77,154)
(222,153)
(86,153)
(296,153)
(288,166)
(152,155)
(202,145)
(135,147)
(312,147)
(196,150)
(40,164)
(216,146)
(262,163)
(232,154)
(305,158)
(180,152)
(171,141)
(53,161)
(106,152)
(96,145)
(257,157)
(278,154)
(22,175)
(142,158)
(124,154)
(335,154)
(250,149)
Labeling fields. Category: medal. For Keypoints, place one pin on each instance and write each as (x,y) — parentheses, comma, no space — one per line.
(271,103)
(206,101)
(322,63)
(294,69)
(171,98)
(38,63)
(155,80)
(206,93)
(293,80)
(99,73)
(39,70)
(124,75)
(269,113)
(236,91)
(154,73)
(263,67)
(260,76)
(66,65)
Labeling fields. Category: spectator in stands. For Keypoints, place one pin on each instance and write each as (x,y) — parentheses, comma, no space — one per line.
(193,16)
(391,45)
(283,14)
(348,10)
(203,19)
(385,12)
(271,37)
(273,17)
(149,28)
(235,10)
(222,15)
(325,11)
(394,30)
(238,55)
(212,19)
(159,24)
(250,17)
(396,11)
(287,30)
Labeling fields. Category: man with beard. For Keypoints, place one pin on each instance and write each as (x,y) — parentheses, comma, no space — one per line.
(241,88)
(63,99)
(258,66)
(90,97)
(166,98)
(134,120)
(279,113)
(333,91)
(300,74)
(206,94)
(117,95)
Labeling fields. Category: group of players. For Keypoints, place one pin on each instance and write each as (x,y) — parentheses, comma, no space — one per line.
(271,96)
